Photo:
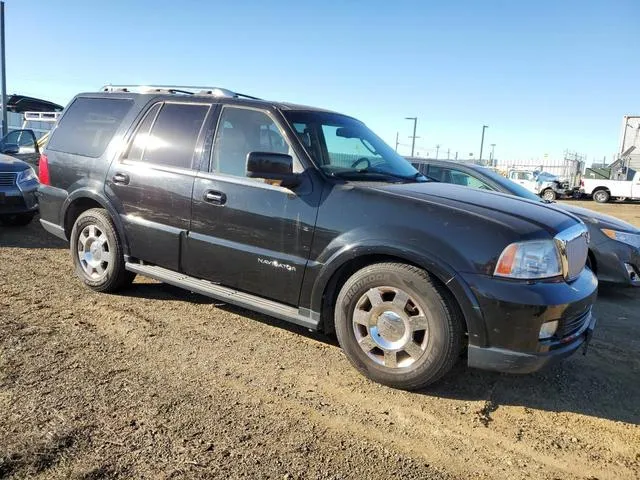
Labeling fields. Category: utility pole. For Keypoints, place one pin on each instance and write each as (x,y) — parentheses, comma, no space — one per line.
(437,150)
(413,137)
(456,156)
(397,142)
(484,127)
(491,158)
(3,65)
(448,153)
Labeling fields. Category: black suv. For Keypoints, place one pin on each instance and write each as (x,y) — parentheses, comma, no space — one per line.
(306,215)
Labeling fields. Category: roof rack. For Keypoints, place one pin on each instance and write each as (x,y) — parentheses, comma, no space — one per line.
(176,89)
(41,116)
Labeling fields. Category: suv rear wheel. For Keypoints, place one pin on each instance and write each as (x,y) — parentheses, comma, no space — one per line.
(97,252)
(396,326)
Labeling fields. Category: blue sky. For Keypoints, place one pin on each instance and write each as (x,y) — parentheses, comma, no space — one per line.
(545,75)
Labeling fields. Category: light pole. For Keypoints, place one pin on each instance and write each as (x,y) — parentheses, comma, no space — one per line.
(413,138)
(484,127)
(492,159)
(3,80)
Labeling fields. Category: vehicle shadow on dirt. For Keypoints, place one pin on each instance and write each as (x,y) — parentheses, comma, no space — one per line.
(588,385)
(29,236)
(566,387)
(166,292)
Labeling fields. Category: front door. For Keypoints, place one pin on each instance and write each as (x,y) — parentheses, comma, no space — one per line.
(21,144)
(152,181)
(247,233)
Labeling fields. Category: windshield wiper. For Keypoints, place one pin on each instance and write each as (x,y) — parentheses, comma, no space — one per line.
(382,173)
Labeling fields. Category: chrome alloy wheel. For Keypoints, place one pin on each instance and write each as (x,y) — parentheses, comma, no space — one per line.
(390,327)
(94,252)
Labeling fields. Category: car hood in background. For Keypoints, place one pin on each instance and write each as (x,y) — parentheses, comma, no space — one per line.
(11,164)
(596,218)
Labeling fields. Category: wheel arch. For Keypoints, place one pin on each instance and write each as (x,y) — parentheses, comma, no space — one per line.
(456,291)
(82,200)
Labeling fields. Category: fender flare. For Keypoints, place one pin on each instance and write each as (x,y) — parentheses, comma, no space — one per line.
(456,285)
(99,198)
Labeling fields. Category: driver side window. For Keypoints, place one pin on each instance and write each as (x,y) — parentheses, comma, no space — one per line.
(23,138)
(349,152)
(241,131)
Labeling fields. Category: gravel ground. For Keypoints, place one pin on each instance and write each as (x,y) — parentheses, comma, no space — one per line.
(160,383)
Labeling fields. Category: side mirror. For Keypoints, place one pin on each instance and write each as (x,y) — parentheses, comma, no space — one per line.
(10,148)
(272,166)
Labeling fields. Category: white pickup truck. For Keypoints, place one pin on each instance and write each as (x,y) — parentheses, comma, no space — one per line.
(548,186)
(604,190)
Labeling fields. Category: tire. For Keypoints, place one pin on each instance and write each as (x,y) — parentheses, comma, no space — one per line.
(404,299)
(601,196)
(17,220)
(549,195)
(97,252)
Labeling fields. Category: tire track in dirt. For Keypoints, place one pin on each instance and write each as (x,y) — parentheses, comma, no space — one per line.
(190,368)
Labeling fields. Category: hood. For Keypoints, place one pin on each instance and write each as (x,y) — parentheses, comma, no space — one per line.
(599,219)
(493,206)
(12,164)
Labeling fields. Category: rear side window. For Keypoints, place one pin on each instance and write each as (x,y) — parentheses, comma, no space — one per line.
(139,143)
(173,136)
(88,125)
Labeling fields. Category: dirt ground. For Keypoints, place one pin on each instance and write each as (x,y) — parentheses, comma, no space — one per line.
(159,383)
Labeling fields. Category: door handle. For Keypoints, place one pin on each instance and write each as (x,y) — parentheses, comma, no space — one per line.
(121,178)
(216,198)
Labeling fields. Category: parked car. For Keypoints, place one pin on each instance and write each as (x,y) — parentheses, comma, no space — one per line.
(18,185)
(543,184)
(21,144)
(604,190)
(306,215)
(614,250)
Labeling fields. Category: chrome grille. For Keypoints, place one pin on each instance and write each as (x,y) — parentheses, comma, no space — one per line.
(7,179)
(573,245)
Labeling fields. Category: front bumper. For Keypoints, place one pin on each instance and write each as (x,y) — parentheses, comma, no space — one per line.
(514,311)
(617,262)
(14,201)
(499,359)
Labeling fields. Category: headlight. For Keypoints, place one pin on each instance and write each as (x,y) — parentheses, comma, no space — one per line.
(632,239)
(529,260)
(27,175)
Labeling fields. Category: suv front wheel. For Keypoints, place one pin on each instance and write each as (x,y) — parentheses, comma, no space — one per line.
(397,326)
(97,252)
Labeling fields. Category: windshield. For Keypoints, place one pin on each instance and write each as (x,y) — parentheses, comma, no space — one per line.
(513,187)
(546,177)
(344,147)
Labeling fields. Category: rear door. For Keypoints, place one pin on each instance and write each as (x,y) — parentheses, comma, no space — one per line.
(152,181)
(248,233)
